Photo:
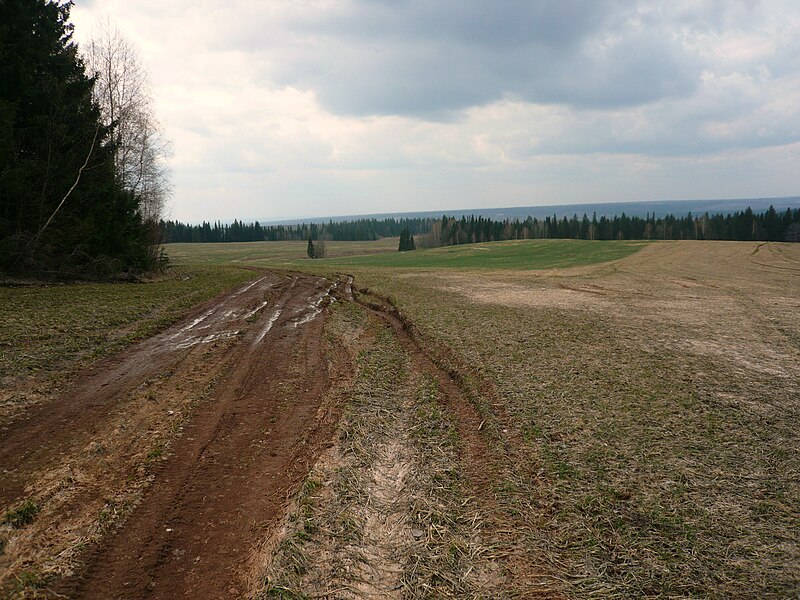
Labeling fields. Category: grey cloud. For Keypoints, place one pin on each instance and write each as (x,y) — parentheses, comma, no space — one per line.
(502,23)
(431,59)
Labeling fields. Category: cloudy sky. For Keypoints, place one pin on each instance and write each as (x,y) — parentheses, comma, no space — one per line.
(291,108)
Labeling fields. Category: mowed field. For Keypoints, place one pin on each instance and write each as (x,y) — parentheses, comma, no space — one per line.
(523,419)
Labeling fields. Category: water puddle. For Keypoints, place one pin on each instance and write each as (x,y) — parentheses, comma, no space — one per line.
(194,323)
(308,317)
(214,337)
(249,286)
(315,308)
(268,326)
(256,309)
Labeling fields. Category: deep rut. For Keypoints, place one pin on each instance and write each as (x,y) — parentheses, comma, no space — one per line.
(232,469)
(242,451)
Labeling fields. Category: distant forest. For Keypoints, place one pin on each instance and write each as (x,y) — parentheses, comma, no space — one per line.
(349,231)
(769,225)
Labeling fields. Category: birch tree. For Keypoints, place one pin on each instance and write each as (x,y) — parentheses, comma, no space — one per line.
(122,91)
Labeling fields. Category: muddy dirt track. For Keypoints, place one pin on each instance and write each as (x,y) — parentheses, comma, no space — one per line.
(242,448)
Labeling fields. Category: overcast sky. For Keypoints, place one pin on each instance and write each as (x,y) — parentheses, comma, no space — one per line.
(292,108)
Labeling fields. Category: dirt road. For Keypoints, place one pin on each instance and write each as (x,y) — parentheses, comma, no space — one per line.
(248,373)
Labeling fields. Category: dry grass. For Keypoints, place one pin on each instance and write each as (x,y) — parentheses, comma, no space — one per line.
(656,428)
(385,512)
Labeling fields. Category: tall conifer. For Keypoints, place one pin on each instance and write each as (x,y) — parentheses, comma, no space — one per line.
(50,128)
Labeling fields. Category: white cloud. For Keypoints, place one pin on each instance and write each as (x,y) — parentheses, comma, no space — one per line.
(283,108)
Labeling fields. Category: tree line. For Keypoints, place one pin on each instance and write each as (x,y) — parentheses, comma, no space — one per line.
(238,231)
(82,181)
(769,225)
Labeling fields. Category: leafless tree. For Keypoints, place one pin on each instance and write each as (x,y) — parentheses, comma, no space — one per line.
(122,91)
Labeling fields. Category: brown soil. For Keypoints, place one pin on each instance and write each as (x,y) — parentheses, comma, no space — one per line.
(235,395)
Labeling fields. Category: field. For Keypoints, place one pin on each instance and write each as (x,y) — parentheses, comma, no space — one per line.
(533,419)
(648,411)
(522,255)
(271,252)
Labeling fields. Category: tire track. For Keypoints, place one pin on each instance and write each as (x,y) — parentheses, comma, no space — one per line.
(230,473)
(61,426)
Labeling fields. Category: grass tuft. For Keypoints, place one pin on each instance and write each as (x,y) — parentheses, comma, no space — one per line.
(22,515)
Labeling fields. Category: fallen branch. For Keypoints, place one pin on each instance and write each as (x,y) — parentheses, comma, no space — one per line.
(64,199)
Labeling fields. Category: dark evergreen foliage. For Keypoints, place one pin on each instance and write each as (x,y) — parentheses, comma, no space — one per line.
(238,231)
(406,241)
(49,125)
(744,225)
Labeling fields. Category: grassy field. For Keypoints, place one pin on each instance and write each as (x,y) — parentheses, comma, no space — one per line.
(515,255)
(642,402)
(274,253)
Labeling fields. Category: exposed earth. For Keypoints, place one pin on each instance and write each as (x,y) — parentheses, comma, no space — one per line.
(256,359)
(298,437)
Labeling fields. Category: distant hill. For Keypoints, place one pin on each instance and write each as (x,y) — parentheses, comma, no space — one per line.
(608,209)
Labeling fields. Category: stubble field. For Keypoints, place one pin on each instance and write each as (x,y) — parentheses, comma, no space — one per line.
(645,411)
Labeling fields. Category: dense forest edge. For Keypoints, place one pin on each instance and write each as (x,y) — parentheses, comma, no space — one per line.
(745,225)
(82,170)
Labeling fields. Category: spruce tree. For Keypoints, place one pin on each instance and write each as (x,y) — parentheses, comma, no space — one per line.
(54,214)
(406,241)
(310,248)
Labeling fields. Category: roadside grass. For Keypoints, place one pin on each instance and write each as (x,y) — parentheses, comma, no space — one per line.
(27,585)
(21,515)
(657,472)
(50,328)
